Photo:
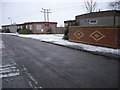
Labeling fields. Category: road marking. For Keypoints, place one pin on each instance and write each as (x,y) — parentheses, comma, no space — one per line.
(8,70)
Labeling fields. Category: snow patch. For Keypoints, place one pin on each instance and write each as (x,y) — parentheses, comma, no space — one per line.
(2,44)
(33,83)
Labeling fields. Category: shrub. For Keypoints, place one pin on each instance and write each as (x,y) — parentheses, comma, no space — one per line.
(66,33)
(18,30)
(24,31)
(66,37)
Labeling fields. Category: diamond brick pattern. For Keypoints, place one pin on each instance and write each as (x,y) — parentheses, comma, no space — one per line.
(79,34)
(97,35)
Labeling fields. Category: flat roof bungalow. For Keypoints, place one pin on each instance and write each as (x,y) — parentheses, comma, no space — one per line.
(35,27)
(103,18)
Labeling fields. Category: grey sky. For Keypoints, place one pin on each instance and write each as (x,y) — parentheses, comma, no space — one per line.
(30,11)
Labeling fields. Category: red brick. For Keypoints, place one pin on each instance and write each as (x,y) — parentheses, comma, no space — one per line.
(104,36)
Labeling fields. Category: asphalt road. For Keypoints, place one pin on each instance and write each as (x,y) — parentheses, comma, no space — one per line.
(52,66)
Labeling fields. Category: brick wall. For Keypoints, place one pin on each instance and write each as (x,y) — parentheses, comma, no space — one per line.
(104,36)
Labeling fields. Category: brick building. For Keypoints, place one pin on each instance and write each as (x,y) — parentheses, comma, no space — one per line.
(69,23)
(103,18)
(97,28)
(35,27)
(12,28)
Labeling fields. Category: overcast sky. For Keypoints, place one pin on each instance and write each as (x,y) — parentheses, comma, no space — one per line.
(21,11)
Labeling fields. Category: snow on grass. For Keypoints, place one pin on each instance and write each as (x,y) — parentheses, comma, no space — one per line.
(57,39)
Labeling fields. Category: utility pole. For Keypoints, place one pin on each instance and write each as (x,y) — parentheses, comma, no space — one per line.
(46,12)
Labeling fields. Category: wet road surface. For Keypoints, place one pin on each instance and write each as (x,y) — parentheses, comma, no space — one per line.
(43,65)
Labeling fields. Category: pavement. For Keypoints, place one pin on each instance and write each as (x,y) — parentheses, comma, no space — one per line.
(45,65)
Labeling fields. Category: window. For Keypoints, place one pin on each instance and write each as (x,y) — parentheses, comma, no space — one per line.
(26,26)
(30,27)
(92,21)
(46,25)
(86,20)
(38,26)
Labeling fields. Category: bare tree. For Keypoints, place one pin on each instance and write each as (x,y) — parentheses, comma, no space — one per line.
(114,5)
(90,6)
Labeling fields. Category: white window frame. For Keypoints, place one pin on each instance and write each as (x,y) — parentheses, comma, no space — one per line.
(94,22)
(26,26)
(30,27)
